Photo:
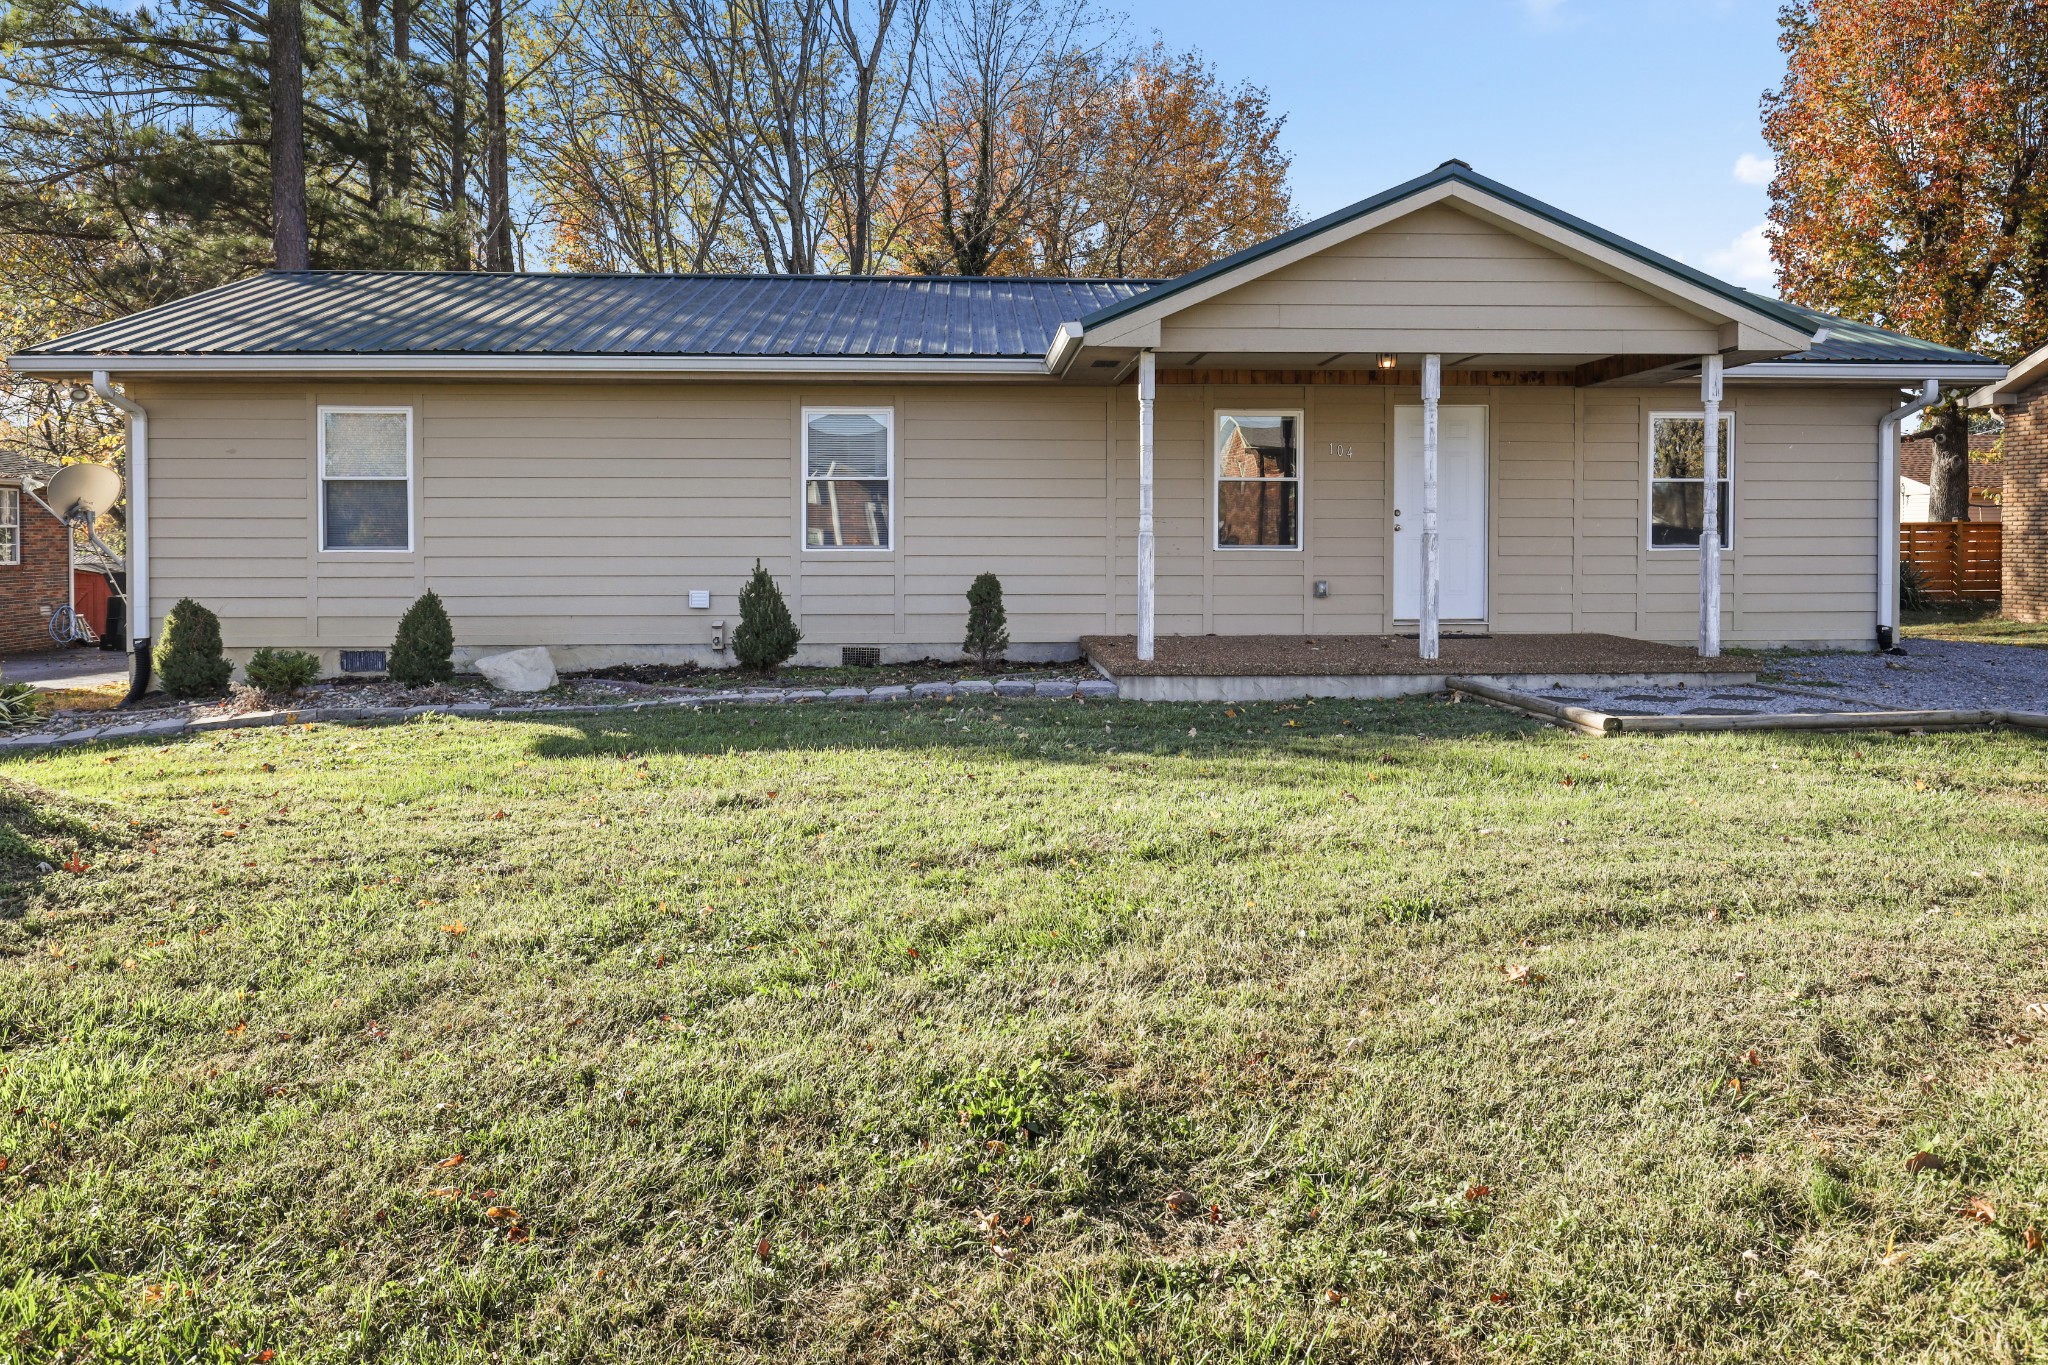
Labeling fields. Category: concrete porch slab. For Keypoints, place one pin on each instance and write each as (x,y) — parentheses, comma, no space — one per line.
(1368,667)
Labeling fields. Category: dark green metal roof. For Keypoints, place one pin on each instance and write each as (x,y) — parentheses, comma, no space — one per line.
(1859,341)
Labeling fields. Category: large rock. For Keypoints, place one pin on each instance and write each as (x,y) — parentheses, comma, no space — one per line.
(519,670)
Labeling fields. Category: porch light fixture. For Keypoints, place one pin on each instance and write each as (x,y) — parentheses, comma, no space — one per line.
(1389,362)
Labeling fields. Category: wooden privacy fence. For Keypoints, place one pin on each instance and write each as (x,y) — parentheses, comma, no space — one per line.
(1961,560)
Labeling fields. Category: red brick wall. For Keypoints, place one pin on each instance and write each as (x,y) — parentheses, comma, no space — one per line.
(42,579)
(2026,507)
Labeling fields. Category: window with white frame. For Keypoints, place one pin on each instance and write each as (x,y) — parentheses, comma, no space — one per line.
(1258,480)
(1678,485)
(849,458)
(366,478)
(10,526)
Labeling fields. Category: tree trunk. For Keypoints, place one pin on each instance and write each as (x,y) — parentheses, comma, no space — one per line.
(498,235)
(375,125)
(401,55)
(458,139)
(287,136)
(1948,482)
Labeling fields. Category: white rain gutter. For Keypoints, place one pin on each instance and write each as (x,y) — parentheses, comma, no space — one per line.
(1066,344)
(138,533)
(1888,512)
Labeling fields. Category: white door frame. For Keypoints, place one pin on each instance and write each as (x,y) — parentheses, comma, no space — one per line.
(1413,517)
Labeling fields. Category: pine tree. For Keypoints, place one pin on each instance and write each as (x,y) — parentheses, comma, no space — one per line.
(424,651)
(189,662)
(988,627)
(767,637)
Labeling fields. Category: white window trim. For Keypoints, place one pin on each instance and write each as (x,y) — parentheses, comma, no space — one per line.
(12,493)
(320,482)
(1300,480)
(1650,482)
(887,417)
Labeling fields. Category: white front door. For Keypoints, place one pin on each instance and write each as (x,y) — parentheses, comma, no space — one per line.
(1460,513)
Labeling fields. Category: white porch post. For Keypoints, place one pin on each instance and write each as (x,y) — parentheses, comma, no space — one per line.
(1148,378)
(1432,390)
(1710,509)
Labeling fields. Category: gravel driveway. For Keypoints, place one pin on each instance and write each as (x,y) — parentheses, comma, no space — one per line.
(1932,675)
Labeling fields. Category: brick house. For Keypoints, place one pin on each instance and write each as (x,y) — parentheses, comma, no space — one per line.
(35,556)
(2022,396)
(1987,475)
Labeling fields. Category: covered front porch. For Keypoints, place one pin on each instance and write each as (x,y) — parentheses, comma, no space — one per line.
(1276,667)
(1451,410)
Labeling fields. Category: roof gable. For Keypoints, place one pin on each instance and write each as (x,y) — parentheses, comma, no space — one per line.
(1758,323)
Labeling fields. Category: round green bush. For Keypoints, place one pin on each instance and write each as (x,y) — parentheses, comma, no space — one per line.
(281,671)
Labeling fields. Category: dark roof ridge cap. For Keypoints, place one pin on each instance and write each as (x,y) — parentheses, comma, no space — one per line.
(1141,282)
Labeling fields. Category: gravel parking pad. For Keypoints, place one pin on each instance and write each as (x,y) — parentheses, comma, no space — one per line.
(1932,675)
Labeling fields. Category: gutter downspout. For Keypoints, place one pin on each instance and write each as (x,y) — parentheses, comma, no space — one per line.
(1888,513)
(138,535)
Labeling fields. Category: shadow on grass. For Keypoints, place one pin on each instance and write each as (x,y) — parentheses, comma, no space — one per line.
(1077,732)
(37,829)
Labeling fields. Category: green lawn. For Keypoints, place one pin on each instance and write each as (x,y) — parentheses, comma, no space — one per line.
(726,1036)
(1977,624)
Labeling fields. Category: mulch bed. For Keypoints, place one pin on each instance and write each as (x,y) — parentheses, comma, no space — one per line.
(1298,656)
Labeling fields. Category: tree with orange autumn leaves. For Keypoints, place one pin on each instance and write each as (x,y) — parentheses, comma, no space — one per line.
(953,137)
(1118,164)
(1912,183)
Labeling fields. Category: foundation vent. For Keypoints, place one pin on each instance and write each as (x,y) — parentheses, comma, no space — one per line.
(363,661)
(859,656)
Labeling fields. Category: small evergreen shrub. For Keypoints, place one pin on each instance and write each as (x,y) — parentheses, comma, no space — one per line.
(767,637)
(281,671)
(424,651)
(988,627)
(189,662)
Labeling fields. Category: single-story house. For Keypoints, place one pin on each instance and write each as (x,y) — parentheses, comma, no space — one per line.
(2022,399)
(1448,406)
(35,556)
(1916,465)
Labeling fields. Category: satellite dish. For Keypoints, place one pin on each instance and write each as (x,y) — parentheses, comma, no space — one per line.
(83,491)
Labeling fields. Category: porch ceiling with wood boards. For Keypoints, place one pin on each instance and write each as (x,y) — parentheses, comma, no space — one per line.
(1453,264)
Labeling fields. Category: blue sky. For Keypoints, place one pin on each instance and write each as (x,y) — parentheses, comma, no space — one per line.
(1641,115)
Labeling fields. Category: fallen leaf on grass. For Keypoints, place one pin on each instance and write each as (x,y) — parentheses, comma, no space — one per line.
(1477,1192)
(1180,1201)
(1923,1161)
(1333,1296)
(1518,974)
(515,1233)
(764,1249)
(1981,1211)
(456,929)
(444,1192)
(1497,1297)
(500,1211)
(455,1160)
(76,865)
(2031,1238)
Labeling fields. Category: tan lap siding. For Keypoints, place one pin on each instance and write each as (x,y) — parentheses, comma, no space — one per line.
(228,507)
(1437,280)
(579,516)
(1530,580)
